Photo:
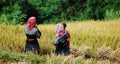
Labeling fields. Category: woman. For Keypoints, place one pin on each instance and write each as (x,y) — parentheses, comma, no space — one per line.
(68,33)
(32,33)
(61,40)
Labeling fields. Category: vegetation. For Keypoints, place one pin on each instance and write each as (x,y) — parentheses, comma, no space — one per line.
(47,11)
(101,39)
(93,25)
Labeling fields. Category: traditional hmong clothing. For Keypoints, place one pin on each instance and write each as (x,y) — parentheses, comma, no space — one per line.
(61,41)
(68,40)
(32,33)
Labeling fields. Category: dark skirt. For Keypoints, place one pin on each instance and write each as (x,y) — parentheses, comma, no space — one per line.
(60,49)
(32,46)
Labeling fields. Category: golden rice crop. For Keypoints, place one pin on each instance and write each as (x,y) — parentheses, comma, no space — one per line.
(91,33)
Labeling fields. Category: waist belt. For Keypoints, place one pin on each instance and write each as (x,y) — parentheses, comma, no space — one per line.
(30,39)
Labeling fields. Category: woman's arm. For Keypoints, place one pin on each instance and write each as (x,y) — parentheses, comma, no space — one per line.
(38,34)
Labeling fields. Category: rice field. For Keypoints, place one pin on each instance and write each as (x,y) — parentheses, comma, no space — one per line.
(100,38)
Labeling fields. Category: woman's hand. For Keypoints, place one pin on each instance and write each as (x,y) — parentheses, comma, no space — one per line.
(35,26)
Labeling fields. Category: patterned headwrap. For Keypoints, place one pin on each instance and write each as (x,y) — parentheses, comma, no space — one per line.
(59,29)
(31,22)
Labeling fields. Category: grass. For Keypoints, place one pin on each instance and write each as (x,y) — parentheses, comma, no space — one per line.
(91,34)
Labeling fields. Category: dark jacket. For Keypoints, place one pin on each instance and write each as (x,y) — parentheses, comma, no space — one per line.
(61,40)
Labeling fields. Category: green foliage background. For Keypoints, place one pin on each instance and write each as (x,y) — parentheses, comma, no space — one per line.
(53,11)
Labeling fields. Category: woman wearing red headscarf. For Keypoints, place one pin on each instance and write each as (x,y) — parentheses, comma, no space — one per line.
(32,33)
(61,41)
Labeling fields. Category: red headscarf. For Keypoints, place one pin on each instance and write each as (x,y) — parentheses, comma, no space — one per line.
(31,22)
(59,29)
